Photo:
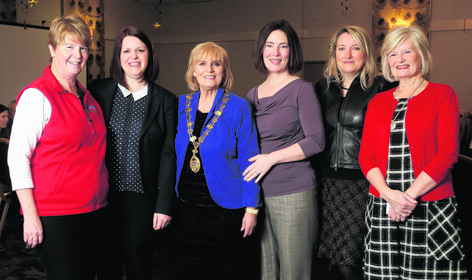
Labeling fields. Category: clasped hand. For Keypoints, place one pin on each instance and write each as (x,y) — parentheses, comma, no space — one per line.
(401,205)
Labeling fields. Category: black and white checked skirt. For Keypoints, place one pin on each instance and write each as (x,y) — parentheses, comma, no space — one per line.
(427,245)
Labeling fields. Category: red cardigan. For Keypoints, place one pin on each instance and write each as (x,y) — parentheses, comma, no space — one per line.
(68,166)
(432,128)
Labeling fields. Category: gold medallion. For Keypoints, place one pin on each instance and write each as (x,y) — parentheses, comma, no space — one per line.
(194,164)
(194,161)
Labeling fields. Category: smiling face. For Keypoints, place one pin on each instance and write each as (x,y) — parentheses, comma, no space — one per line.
(3,119)
(349,56)
(276,52)
(134,58)
(209,73)
(405,61)
(69,58)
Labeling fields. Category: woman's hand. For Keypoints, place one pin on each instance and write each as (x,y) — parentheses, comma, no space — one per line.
(249,223)
(397,217)
(261,165)
(402,205)
(160,221)
(32,227)
(32,231)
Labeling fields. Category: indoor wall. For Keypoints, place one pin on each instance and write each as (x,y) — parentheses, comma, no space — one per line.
(235,25)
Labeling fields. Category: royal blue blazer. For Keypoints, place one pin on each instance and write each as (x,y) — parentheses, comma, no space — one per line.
(225,151)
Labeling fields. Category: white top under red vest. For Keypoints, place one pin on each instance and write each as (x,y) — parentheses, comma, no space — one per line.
(68,162)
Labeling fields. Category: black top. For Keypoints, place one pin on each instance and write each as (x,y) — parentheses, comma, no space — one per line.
(157,158)
(192,186)
(127,116)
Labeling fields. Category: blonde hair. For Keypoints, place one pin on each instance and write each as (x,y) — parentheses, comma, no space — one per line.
(331,70)
(203,50)
(70,25)
(396,37)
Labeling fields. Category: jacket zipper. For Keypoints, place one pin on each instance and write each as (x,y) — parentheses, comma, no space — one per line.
(88,118)
(337,147)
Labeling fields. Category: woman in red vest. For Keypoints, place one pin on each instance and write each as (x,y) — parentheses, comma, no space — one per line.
(56,158)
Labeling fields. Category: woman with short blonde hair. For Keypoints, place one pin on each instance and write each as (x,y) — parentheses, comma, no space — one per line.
(216,137)
(208,49)
(395,38)
(409,146)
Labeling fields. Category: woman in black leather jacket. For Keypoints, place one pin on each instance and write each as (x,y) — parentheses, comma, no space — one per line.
(349,85)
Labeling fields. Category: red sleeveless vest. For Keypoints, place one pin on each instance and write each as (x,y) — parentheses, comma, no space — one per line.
(68,164)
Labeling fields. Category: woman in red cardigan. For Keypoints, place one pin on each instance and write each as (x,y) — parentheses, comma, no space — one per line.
(409,145)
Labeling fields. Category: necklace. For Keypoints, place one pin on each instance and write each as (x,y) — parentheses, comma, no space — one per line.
(344,88)
(194,161)
(392,124)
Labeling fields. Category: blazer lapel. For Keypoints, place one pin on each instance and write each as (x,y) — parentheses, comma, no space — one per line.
(216,102)
(194,107)
(154,101)
(107,102)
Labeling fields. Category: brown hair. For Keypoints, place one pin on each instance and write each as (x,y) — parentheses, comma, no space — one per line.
(295,61)
(11,107)
(116,71)
(465,128)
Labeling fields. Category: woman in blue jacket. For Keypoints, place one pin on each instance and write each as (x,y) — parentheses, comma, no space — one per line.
(216,135)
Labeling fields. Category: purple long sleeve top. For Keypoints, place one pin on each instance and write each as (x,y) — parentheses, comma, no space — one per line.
(292,115)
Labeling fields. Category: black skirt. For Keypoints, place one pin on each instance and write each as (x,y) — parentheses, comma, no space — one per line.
(209,243)
(344,203)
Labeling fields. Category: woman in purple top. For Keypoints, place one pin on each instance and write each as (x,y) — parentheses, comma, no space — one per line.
(290,127)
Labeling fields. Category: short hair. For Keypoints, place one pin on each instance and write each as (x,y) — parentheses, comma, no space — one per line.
(396,37)
(331,69)
(295,61)
(465,125)
(69,25)
(152,68)
(11,107)
(203,50)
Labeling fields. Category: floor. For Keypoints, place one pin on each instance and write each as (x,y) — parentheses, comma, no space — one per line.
(18,263)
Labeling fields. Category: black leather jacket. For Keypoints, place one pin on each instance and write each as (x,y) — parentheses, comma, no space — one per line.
(343,126)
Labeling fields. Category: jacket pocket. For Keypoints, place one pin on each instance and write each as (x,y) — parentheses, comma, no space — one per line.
(443,231)
(57,182)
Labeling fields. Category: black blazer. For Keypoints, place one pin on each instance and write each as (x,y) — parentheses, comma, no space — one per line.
(157,158)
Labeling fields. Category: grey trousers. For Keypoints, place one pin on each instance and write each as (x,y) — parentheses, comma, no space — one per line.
(289,235)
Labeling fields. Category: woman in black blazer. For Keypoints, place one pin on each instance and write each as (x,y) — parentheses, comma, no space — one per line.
(141,123)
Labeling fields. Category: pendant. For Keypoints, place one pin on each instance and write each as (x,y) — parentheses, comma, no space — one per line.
(392,125)
(194,164)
